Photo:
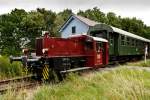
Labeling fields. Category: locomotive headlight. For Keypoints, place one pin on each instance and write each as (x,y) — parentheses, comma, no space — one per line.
(24,50)
(45,50)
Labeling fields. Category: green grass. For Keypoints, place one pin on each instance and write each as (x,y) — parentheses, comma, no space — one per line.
(8,70)
(121,84)
(140,63)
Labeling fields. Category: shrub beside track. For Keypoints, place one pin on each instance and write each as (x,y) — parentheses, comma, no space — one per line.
(8,70)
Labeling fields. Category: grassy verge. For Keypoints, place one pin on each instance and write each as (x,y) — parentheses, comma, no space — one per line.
(8,70)
(121,84)
(140,63)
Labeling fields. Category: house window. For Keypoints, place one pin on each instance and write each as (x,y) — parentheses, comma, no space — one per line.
(73,30)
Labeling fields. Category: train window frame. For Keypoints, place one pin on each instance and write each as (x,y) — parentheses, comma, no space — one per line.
(128,41)
(123,39)
(111,39)
(139,43)
(136,43)
(99,46)
(133,42)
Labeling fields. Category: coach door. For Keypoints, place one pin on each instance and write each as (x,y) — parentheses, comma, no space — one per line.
(99,53)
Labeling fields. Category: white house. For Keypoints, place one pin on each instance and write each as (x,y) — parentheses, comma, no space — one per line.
(76,25)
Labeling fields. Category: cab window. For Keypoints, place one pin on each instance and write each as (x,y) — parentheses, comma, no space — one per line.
(98,46)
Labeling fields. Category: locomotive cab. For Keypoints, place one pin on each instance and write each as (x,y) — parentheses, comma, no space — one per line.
(97,52)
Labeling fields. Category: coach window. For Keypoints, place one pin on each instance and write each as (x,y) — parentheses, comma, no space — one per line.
(133,42)
(122,40)
(73,29)
(111,39)
(136,43)
(140,44)
(128,41)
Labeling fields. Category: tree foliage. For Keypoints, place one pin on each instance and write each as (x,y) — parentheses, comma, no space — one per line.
(19,28)
(93,14)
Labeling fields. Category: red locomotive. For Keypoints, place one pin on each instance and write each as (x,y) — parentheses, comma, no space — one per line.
(61,55)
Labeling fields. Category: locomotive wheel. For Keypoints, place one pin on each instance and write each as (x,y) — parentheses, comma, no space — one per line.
(55,76)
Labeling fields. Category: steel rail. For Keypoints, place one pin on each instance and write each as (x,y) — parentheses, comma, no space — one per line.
(16,79)
(29,83)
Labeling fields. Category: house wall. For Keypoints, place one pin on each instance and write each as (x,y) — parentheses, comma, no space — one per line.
(80,28)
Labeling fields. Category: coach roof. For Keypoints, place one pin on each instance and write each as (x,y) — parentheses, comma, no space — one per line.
(117,30)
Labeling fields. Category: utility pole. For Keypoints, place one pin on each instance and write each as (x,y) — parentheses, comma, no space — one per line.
(146,52)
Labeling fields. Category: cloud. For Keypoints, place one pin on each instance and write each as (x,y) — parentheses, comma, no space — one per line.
(137,8)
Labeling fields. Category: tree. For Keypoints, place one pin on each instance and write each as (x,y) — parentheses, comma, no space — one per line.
(61,18)
(113,20)
(10,31)
(65,14)
(49,19)
(94,14)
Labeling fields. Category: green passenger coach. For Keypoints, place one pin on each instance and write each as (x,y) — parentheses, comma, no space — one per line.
(122,44)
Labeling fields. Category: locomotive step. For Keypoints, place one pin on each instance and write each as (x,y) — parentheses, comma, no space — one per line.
(75,69)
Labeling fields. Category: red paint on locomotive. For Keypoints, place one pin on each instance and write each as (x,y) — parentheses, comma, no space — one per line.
(95,52)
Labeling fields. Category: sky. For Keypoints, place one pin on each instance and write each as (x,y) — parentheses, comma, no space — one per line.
(125,8)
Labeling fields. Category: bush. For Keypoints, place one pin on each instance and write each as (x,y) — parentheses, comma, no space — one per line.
(8,70)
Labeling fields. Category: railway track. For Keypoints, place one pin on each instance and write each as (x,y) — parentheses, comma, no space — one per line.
(18,83)
(27,82)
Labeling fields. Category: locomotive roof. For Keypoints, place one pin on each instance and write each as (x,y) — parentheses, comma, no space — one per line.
(99,39)
(94,38)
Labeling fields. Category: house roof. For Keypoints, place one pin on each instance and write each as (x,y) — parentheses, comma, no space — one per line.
(82,19)
(86,20)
